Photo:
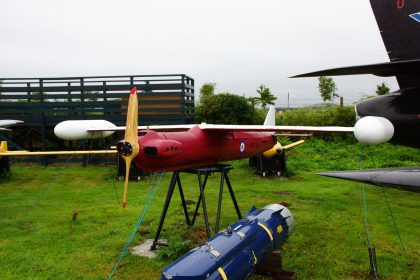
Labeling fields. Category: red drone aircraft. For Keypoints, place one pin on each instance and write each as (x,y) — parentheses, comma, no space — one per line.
(197,145)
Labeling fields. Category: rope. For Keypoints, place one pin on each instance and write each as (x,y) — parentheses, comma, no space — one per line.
(366,217)
(50,183)
(115,189)
(395,224)
(389,208)
(76,211)
(153,187)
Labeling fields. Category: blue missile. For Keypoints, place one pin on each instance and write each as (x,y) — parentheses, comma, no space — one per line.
(234,252)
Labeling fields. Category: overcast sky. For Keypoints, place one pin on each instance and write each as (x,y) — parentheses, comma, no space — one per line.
(236,44)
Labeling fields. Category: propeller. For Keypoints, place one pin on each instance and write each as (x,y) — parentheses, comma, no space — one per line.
(129,147)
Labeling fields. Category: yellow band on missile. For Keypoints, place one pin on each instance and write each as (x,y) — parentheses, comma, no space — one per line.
(273,151)
(255,258)
(267,230)
(222,273)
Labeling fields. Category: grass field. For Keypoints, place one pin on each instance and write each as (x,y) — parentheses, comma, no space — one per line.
(39,239)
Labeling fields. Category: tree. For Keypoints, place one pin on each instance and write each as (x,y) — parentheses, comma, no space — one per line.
(206,91)
(253,100)
(382,89)
(226,108)
(327,88)
(266,98)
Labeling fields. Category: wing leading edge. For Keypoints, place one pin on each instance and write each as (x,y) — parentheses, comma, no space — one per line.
(224,127)
(406,178)
(387,69)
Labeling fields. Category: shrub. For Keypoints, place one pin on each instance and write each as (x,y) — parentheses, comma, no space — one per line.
(225,108)
(322,115)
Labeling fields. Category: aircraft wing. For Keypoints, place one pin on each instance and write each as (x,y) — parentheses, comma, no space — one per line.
(54,153)
(176,127)
(285,128)
(387,69)
(7,123)
(226,127)
(407,178)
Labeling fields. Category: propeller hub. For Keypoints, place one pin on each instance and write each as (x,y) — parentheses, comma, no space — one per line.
(124,148)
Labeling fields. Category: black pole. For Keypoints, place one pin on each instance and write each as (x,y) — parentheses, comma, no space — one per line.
(232,195)
(165,208)
(206,219)
(199,201)
(219,204)
(184,205)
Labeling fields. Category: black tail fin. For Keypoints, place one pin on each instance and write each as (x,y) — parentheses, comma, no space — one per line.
(399,24)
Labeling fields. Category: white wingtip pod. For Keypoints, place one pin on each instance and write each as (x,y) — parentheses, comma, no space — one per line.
(78,130)
(373,130)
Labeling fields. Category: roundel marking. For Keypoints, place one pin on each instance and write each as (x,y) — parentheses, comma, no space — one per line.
(242,146)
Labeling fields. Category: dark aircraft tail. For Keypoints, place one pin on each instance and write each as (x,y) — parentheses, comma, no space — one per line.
(399,24)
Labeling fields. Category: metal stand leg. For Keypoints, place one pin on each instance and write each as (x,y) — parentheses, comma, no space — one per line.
(184,205)
(219,205)
(206,218)
(175,180)
(232,195)
(199,200)
(165,208)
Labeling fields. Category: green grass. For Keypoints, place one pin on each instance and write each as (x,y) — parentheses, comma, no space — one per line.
(39,240)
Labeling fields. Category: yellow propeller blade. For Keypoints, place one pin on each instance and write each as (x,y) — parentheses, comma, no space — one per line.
(277,148)
(294,144)
(129,147)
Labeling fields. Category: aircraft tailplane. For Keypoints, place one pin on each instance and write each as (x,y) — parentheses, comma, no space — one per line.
(270,119)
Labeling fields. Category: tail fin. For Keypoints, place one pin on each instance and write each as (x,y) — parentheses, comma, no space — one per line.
(399,24)
(270,119)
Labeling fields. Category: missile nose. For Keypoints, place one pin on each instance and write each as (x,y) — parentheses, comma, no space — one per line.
(285,213)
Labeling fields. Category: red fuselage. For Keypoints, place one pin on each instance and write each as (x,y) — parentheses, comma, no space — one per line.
(169,151)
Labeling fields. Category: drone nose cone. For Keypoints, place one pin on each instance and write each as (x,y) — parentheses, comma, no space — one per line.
(373,130)
(124,148)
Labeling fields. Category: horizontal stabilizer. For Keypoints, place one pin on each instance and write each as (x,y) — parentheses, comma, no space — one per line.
(396,68)
(407,178)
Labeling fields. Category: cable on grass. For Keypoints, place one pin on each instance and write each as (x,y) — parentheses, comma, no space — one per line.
(372,258)
(389,208)
(50,183)
(152,190)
